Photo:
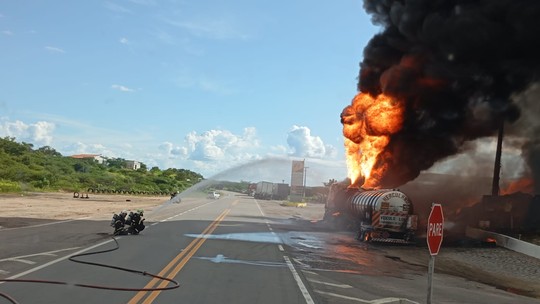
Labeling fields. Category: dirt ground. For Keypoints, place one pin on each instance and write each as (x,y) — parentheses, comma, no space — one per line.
(35,208)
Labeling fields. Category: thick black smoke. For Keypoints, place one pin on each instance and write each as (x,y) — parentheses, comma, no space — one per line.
(455,64)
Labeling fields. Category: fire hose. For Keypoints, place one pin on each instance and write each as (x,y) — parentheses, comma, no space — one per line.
(74,259)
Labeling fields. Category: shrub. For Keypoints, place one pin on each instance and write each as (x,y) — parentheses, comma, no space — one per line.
(9,186)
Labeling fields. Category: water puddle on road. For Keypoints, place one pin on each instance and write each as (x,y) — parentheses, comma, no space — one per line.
(260,237)
(317,251)
(224,260)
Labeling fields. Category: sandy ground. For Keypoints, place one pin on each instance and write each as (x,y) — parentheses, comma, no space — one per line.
(35,208)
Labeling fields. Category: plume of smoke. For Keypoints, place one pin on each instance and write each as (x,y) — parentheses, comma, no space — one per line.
(455,64)
(528,128)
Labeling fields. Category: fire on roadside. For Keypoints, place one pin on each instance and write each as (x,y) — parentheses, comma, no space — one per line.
(525,185)
(367,125)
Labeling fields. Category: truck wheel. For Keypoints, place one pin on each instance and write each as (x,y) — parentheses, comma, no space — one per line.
(366,237)
(409,237)
(361,236)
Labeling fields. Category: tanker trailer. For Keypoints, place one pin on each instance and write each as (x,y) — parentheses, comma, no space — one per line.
(383,215)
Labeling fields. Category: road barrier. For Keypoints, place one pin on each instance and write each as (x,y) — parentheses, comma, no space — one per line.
(132,192)
(505,241)
(293,204)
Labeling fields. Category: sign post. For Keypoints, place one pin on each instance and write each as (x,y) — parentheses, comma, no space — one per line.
(435,229)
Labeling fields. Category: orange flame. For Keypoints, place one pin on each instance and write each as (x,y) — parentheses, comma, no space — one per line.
(525,185)
(367,125)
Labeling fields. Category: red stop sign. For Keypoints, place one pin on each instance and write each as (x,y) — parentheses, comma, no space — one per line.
(435,229)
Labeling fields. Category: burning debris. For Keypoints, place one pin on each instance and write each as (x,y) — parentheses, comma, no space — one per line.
(440,73)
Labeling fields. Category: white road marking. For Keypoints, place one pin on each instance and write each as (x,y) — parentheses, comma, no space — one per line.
(3,272)
(220,258)
(46,224)
(56,261)
(331,284)
(260,210)
(299,282)
(23,261)
(181,213)
(64,257)
(53,253)
(67,256)
(376,301)
(297,278)
(303,265)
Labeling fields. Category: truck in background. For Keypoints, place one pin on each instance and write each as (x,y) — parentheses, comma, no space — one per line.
(269,191)
(263,190)
(280,191)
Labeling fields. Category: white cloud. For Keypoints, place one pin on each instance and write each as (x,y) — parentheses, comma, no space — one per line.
(279,150)
(303,144)
(144,2)
(124,40)
(201,82)
(8,33)
(39,133)
(53,49)
(171,152)
(238,156)
(164,37)
(117,8)
(122,88)
(213,150)
(214,28)
(214,153)
(215,145)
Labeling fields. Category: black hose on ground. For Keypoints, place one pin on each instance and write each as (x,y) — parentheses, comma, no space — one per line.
(74,259)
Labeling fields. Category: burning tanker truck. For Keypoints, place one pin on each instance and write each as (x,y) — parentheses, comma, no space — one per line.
(382,215)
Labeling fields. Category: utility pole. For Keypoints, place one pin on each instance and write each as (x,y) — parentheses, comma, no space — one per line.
(304,192)
(497,168)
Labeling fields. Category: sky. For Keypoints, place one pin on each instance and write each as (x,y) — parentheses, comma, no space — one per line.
(207,86)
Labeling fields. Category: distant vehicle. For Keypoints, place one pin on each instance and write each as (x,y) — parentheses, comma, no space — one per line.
(213,195)
(264,190)
(271,191)
(280,191)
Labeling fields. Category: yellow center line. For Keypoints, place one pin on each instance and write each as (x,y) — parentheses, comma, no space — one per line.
(182,263)
(187,250)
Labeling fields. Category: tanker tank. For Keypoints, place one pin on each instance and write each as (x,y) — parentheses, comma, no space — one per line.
(384,215)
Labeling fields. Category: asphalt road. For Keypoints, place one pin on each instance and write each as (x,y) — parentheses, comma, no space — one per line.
(231,250)
(208,270)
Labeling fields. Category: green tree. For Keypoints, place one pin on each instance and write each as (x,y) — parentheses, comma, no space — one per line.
(46,169)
